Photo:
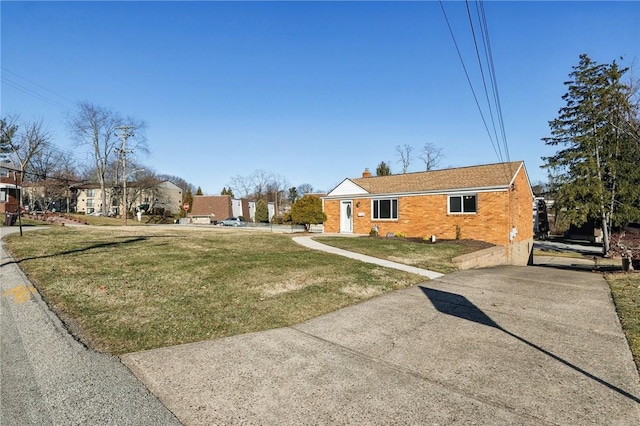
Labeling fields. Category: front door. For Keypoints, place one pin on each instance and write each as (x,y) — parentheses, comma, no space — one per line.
(346,217)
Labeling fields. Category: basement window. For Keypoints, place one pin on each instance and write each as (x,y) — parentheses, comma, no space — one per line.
(384,209)
(463,204)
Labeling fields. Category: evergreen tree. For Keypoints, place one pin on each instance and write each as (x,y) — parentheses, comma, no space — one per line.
(595,167)
(226,191)
(262,211)
(199,191)
(7,132)
(383,169)
(307,211)
(293,195)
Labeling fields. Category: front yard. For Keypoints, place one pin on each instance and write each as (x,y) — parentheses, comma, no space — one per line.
(129,289)
(421,254)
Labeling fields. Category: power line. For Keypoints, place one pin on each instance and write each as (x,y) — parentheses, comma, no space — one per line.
(469,81)
(484,80)
(494,80)
(34,94)
(36,84)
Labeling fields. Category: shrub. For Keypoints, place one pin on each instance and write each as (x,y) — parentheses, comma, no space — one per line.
(262,211)
(400,235)
(307,211)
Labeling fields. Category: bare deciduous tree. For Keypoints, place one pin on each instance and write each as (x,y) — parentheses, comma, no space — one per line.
(260,180)
(431,155)
(303,189)
(276,188)
(241,185)
(30,139)
(404,154)
(95,126)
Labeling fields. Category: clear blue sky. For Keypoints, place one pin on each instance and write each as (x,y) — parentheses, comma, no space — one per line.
(313,91)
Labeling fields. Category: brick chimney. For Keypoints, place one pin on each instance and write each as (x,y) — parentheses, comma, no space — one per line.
(366,173)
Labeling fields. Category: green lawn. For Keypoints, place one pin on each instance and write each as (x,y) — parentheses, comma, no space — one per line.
(435,257)
(128,289)
(625,289)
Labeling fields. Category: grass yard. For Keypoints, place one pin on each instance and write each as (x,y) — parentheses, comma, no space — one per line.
(117,221)
(128,289)
(625,289)
(435,257)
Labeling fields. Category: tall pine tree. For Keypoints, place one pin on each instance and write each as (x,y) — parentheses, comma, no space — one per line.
(598,180)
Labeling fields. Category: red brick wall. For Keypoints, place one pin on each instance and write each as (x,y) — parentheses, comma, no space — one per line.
(426,215)
(332,210)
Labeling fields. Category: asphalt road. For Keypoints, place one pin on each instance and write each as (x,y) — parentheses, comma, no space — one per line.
(48,378)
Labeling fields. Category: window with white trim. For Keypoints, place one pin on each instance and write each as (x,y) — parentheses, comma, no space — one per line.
(463,203)
(384,208)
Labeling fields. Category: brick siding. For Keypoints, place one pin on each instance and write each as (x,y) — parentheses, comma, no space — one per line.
(426,215)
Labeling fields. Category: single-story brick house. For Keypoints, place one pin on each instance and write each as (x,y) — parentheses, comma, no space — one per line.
(492,203)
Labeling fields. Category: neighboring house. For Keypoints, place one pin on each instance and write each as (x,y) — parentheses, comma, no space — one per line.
(491,203)
(207,209)
(251,210)
(155,195)
(10,187)
(89,199)
(49,195)
(162,195)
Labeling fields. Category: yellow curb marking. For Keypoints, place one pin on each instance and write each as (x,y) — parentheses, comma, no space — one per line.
(20,294)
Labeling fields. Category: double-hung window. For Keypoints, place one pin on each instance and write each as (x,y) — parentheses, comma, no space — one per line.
(463,203)
(384,209)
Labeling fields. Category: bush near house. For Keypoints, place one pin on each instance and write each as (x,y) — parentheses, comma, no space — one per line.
(307,211)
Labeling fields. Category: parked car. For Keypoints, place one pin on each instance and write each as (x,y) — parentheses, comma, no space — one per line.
(232,221)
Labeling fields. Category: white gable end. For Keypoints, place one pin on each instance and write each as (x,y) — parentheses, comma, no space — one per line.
(347,187)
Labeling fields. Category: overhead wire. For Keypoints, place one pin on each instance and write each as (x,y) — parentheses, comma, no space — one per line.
(36,84)
(484,80)
(42,97)
(469,81)
(494,80)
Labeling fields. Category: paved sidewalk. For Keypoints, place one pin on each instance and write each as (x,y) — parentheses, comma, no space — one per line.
(48,378)
(314,245)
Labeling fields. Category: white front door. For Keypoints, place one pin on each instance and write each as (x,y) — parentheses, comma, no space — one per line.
(346,217)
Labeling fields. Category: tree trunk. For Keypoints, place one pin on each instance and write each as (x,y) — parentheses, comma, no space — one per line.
(605,233)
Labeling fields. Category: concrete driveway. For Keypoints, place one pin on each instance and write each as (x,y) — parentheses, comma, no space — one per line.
(505,345)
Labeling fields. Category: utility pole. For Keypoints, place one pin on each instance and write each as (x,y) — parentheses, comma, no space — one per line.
(125,133)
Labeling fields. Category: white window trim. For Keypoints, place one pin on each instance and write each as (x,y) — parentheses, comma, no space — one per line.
(461,203)
(384,199)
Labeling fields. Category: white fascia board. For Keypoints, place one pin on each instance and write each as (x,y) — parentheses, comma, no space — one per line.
(526,175)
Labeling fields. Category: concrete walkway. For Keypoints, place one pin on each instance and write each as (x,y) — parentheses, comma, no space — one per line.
(314,245)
